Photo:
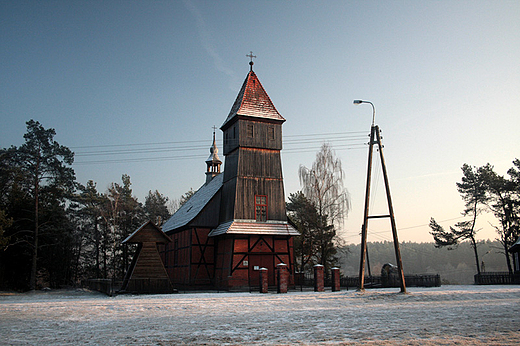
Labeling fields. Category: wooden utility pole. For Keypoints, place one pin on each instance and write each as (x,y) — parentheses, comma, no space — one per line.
(375,138)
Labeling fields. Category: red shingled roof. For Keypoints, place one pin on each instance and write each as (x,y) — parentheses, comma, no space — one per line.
(253,101)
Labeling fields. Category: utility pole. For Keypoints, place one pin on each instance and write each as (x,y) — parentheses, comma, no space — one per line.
(375,138)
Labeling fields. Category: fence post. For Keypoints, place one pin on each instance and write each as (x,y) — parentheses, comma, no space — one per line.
(264,280)
(335,280)
(283,277)
(318,278)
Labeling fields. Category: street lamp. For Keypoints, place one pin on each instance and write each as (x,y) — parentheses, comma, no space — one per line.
(358,102)
(375,138)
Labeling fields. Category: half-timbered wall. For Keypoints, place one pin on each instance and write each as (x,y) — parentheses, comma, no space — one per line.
(190,258)
(240,257)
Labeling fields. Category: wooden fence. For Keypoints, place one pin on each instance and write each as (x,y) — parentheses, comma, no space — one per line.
(101,285)
(149,286)
(417,280)
(496,278)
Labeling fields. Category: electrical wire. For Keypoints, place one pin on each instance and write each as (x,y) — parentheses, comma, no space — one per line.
(119,153)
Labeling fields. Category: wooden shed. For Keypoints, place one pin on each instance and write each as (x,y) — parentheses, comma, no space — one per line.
(146,273)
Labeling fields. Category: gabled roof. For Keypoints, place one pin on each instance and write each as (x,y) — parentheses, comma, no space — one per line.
(253,227)
(253,101)
(148,232)
(194,205)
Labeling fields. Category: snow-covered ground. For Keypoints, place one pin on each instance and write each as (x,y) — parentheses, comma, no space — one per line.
(464,315)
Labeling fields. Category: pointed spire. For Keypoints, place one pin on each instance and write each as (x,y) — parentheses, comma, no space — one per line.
(213,162)
(253,101)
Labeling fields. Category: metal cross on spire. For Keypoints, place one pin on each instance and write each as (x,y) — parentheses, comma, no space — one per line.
(251,63)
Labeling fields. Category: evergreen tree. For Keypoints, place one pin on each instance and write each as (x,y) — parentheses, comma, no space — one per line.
(5,222)
(185,197)
(86,213)
(302,213)
(123,214)
(472,189)
(156,207)
(42,168)
(504,203)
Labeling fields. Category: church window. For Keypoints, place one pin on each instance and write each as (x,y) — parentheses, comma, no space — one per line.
(250,130)
(260,208)
(270,133)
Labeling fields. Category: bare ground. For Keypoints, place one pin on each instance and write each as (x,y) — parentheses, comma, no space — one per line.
(449,315)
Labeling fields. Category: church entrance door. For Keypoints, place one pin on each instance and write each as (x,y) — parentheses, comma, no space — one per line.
(260,261)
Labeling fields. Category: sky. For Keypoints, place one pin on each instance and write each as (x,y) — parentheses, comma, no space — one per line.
(135,87)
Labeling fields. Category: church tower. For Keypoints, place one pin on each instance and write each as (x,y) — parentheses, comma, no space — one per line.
(253,183)
(236,222)
(213,162)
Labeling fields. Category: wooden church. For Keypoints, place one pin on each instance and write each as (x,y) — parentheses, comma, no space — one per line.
(236,222)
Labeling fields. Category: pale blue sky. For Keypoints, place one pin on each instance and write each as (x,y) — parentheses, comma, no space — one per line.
(444,76)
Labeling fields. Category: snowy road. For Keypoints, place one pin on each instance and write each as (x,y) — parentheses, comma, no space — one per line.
(468,315)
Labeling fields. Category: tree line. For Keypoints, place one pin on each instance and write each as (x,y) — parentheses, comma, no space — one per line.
(454,267)
(323,202)
(54,231)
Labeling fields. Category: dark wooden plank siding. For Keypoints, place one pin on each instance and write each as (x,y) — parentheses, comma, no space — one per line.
(209,216)
(245,198)
(262,137)
(248,132)
(260,163)
(252,172)
(227,206)
(202,258)
(149,263)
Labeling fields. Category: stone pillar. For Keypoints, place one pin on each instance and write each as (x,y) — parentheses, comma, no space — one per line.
(264,280)
(319,279)
(282,273)
(335,280)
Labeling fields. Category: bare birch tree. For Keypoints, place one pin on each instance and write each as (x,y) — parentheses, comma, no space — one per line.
(322,184)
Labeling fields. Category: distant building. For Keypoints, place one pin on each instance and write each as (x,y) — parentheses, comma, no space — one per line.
(236,222)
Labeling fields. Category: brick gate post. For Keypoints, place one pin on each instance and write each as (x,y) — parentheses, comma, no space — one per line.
(282,273)
(335,280)
(264,280)
(319,279)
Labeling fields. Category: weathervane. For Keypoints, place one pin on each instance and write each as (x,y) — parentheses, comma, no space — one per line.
(251,63)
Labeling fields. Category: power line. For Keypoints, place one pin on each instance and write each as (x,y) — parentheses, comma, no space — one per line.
(343,141)
(314,135)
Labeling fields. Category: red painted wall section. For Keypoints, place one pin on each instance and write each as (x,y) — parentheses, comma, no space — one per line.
(189,259)
(193,260)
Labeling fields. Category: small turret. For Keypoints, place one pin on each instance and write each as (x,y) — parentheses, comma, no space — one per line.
(213,162)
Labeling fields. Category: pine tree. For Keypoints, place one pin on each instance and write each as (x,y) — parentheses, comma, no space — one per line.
(472,189)
(156,207)
(44,165)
